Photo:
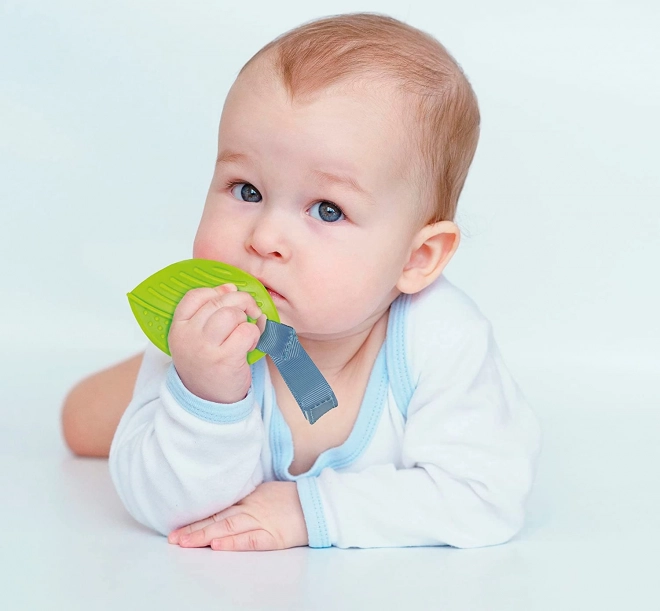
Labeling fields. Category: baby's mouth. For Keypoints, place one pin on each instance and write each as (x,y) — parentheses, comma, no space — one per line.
(274,294)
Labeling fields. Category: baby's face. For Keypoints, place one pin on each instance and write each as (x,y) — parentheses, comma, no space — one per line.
(333,252)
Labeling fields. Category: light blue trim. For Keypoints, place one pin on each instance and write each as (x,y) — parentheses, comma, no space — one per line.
(391,360)
(258,379)
(397,359)
(310,499)
(221,413)
(281,440)
(281,443)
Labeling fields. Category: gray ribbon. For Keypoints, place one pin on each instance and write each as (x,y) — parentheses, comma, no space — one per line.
(307,384)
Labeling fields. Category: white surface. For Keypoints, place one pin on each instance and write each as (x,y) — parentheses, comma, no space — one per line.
(590,542)
(109,115)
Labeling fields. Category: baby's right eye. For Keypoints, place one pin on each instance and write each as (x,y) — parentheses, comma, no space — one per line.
(247,191)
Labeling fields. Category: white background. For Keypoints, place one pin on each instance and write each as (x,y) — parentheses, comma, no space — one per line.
(108,125)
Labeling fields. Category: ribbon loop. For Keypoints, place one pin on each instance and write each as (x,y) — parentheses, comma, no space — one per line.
(307,384)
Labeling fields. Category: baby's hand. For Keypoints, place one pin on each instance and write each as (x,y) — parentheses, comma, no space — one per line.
(269,518)
(209,339)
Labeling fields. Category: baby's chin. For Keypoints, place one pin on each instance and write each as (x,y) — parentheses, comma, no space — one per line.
(313,326)
(319,334)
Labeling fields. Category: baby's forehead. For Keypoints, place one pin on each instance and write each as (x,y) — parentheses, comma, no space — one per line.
(381,92)
(378,97)
(359,127)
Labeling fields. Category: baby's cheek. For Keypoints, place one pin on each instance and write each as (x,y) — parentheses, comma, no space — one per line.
(217,242)
(215,250)
(204,248)
(200,251)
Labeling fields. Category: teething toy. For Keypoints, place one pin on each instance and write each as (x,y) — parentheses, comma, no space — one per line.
(154,301)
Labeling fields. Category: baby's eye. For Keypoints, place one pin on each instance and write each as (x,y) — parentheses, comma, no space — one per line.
(329,212)
(247,191)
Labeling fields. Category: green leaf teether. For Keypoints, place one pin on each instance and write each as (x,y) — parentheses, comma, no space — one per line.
(154,300)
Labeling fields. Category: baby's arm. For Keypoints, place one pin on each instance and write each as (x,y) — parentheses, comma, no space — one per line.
(177,458)
(469,455)
(93,407)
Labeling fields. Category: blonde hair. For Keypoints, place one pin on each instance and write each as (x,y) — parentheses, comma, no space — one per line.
(445,113)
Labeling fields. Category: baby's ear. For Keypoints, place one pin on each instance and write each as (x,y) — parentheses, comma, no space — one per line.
(431,249)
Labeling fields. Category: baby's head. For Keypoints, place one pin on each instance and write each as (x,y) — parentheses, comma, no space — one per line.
(343,147)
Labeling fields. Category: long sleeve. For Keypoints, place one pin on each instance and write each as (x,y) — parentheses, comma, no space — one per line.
(469,454)
(176,458)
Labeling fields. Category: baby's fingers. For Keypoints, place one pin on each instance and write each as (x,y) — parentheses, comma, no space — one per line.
(231,525)
(254,540)
(175,535)
(195,300)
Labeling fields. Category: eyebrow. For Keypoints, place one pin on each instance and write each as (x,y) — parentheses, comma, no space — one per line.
(326,177)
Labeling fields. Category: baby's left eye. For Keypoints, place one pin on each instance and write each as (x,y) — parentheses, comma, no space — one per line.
(329,212)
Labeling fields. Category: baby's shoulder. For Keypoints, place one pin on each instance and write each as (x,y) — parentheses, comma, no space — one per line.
(443,306)
(442,320)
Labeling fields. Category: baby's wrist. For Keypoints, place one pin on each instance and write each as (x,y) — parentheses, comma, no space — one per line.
(215,394)
(211,411)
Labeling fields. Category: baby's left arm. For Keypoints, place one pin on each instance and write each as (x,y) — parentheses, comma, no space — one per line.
(470,448)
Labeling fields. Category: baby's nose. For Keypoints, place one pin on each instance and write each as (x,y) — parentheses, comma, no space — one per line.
(270,235)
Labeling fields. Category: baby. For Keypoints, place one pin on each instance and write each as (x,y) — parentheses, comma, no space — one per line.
(343,147)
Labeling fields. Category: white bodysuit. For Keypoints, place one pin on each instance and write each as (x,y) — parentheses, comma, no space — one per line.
(443,452)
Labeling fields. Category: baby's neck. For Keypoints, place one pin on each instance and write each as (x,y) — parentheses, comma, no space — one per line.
(338,359)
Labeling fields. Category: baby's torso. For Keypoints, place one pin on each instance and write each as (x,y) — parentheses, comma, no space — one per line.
(309,441)
(334,428)
(366,429)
